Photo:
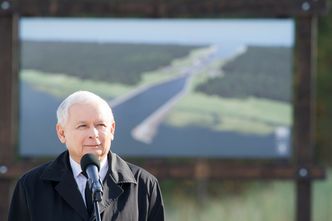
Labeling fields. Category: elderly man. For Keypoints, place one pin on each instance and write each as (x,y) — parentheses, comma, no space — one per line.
(56,190)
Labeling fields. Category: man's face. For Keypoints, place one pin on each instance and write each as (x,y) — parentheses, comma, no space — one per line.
(89,129)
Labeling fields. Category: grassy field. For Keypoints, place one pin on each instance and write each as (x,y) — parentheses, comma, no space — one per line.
(242,201)
(249,115)
(322,199)
(60,85)
(249,201)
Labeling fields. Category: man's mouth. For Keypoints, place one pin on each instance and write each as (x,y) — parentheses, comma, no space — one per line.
(93,145)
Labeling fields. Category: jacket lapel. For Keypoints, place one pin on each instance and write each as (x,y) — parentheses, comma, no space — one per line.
(118,174)
(68,190)
(59,171)
(111,192)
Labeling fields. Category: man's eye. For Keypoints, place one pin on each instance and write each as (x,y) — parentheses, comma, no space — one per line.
(81,126)
(101,125)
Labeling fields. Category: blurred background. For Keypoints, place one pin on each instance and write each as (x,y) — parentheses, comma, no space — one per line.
(187,199)
(266,200)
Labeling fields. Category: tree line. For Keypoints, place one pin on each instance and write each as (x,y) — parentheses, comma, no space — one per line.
(111,62)
(264,72)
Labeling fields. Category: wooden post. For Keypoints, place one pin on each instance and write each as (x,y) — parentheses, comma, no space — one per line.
(304,112)
(8,87)
(8,99)
(5,192)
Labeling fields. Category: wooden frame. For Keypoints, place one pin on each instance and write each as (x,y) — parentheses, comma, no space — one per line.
(302,169)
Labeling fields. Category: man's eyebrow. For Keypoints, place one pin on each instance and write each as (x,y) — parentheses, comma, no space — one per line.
(80,122)
(98,121)
(101,122)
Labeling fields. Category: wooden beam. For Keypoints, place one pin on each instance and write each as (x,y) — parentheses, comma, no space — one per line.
(8,101)
(5,193)
(203,169)
(8,88)
(304,104)
(221,171)
(169,8)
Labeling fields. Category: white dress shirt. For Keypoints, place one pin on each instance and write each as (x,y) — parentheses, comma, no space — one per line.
(81,179)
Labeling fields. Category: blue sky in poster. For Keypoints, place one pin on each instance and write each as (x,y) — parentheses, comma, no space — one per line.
(161,31)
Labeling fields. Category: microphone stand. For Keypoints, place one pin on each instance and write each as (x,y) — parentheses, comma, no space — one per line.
(97,196)
(90,165)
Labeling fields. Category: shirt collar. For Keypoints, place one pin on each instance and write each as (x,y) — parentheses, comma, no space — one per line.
(103,168)
(76,168)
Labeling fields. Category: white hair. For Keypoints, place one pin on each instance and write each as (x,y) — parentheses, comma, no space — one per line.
(79,97)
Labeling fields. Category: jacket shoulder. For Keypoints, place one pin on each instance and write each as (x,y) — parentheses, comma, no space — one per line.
(34,174)
(141,174)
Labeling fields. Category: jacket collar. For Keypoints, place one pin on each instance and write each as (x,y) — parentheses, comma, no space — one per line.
(60,171)
(118,174)
(119,170)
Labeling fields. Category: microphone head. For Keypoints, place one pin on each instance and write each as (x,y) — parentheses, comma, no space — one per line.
(88,160)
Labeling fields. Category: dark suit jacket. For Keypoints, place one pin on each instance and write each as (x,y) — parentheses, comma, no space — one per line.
(49,192)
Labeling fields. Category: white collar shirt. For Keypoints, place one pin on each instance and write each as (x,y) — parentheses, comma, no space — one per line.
(81,179)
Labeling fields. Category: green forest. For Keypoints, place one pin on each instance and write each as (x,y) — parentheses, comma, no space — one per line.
(109,62)
(262,72)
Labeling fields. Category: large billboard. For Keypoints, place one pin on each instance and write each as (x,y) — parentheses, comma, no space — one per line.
(218,88)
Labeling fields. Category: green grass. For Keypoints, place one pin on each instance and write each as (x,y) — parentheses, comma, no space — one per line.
(242,201)
(322,198)
(60,85)
(251,115)
(231,201)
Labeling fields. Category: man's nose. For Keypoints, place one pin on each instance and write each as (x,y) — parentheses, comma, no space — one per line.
(93,133)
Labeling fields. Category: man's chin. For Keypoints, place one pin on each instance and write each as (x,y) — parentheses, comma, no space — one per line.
(95,152)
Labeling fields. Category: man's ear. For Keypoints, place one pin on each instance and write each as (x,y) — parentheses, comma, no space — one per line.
(113,130)
(61,133)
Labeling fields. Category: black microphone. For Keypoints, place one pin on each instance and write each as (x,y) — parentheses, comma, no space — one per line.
(90,165)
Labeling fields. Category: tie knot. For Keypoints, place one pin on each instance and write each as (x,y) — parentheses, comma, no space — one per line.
(84,174)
